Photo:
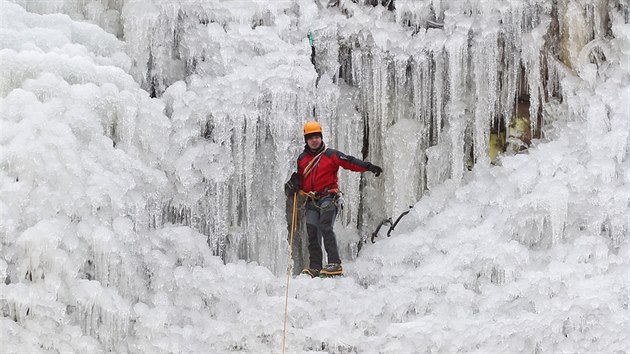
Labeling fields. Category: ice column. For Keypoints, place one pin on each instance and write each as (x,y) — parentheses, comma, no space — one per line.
(485,58)
(456,112)
(533,44)
(404,147)
(510,45)
(139,21)
(271,155)
(422,93)
(346,135)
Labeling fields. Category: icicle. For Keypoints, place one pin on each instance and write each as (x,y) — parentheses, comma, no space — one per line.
(438,166)
(533,44)
(618,227)
(457,52)
(401,91)
(31,302)
(437,8)
(403,146)
(410,12)
(3,270)
(558,197)
(456,134)
(101,312)
(422,94)
(378,123)
(439,88)
(485,66)
(139,21)
(511,36)
(18,300)
(126,118)
(39,251)
(348,132)
(531,229)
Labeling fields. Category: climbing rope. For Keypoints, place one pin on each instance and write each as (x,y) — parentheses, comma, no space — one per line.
(286,295)
(314,162)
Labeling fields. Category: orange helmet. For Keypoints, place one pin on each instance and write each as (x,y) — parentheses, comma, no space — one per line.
(312,127)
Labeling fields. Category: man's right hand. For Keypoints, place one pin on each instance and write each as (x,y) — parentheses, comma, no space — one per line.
(293,185)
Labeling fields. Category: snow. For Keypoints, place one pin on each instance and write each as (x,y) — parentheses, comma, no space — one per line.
(144,147)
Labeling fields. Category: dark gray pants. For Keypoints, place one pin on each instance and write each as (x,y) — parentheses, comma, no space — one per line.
(320,217)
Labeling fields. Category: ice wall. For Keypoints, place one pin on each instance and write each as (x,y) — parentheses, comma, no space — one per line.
(94,169)
(80,164)
(230,93)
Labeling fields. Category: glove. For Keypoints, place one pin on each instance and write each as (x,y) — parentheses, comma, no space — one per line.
(374,169)
(293,185)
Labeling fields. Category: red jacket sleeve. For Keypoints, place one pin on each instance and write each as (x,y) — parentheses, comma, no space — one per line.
(349,162)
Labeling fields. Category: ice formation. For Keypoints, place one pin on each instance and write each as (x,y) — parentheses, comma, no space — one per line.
(144,147)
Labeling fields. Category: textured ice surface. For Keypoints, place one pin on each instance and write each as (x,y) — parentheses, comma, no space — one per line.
(133,167)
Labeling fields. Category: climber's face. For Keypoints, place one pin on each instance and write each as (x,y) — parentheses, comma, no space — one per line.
(314,142)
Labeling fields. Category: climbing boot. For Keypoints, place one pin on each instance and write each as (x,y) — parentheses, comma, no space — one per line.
(332,269)
(313,273)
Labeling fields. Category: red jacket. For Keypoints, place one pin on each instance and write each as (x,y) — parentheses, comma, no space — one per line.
(323,175)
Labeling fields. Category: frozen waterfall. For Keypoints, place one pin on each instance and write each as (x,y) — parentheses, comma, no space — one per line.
(145,144)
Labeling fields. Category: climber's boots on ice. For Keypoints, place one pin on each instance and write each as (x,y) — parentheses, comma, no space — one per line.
(331,270)
(313,273)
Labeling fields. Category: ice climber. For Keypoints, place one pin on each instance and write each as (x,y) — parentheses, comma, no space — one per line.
(316,178)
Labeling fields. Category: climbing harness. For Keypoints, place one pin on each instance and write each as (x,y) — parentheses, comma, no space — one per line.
(392,226)
(289,263)
(313,197)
